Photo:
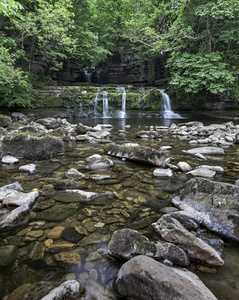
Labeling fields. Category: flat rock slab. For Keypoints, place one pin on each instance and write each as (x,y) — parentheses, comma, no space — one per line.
(206,151)
(212,204)
(137,153)
(143,278)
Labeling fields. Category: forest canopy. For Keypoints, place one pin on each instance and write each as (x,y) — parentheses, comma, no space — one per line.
(198,40)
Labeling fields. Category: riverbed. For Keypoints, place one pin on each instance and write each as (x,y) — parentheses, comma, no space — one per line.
(135,197)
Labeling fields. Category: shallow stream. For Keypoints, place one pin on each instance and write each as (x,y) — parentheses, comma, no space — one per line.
(134,200)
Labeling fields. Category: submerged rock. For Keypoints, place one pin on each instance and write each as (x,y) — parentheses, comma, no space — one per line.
(143,278)
(212,204)
(138,153)
(8,255)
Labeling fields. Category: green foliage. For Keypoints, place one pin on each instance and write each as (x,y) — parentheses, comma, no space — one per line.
(9,7)
(194,73)
(15,89)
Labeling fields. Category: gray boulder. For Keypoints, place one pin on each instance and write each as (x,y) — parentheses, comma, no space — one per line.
(137,153)
(32,147)
(202,172)
(212,204)
(206,151)
(143,278)
(162,173)
(50,123)
(171,253)
(127,243)
(172,231)
(148,134)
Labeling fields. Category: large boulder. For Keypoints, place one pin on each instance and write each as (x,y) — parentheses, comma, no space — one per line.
(213,204)
(31,146)
(138,153)
(172,231)
(143,278)
(127,243)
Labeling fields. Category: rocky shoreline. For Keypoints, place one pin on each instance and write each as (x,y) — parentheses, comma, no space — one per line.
(202,203)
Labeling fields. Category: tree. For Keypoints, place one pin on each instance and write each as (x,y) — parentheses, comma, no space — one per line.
(200,38)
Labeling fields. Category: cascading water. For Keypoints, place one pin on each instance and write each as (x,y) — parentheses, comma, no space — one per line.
(87,75)
(168,113)
(96,100)
(122,113)
(105,105)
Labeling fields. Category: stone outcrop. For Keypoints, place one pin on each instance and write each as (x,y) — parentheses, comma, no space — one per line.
(212,204)
(172,231)
(143,278)
(137,153)
(127,243)
(32,147)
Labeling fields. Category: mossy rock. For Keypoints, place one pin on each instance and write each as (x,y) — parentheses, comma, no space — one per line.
(5,121)
(58,212)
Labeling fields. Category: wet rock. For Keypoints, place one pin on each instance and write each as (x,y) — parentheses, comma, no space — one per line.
(66,184)
(5,121)
(148,134)
(138,153)
(69,258)
(99,134)
(71,235)
(35,255)
(14,216)
(8,255)
(33,235)
(18,198)
(50,123)
(206,151)
(58,212)
(212,204)
(143,278)
(67,290)
(184,167)
(55,233)
(104,163)
(184,219)
(127,243)
(163,173)
(31,168)
(74,174)
(60,247)
(172,231)
(217,169)
(32,147)
(202,172)
(33,291)
(94,158)
(81,129)
(8,159)
(17,116)
(172,253)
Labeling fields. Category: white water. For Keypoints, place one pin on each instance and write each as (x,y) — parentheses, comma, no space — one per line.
(105,105)
(87,75)
(96,100)
(122,113)
(168,113)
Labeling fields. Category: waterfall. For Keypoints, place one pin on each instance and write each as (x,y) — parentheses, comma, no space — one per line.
(168,113)
(87,75)
(123,108)
(96,100)
(105,105)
